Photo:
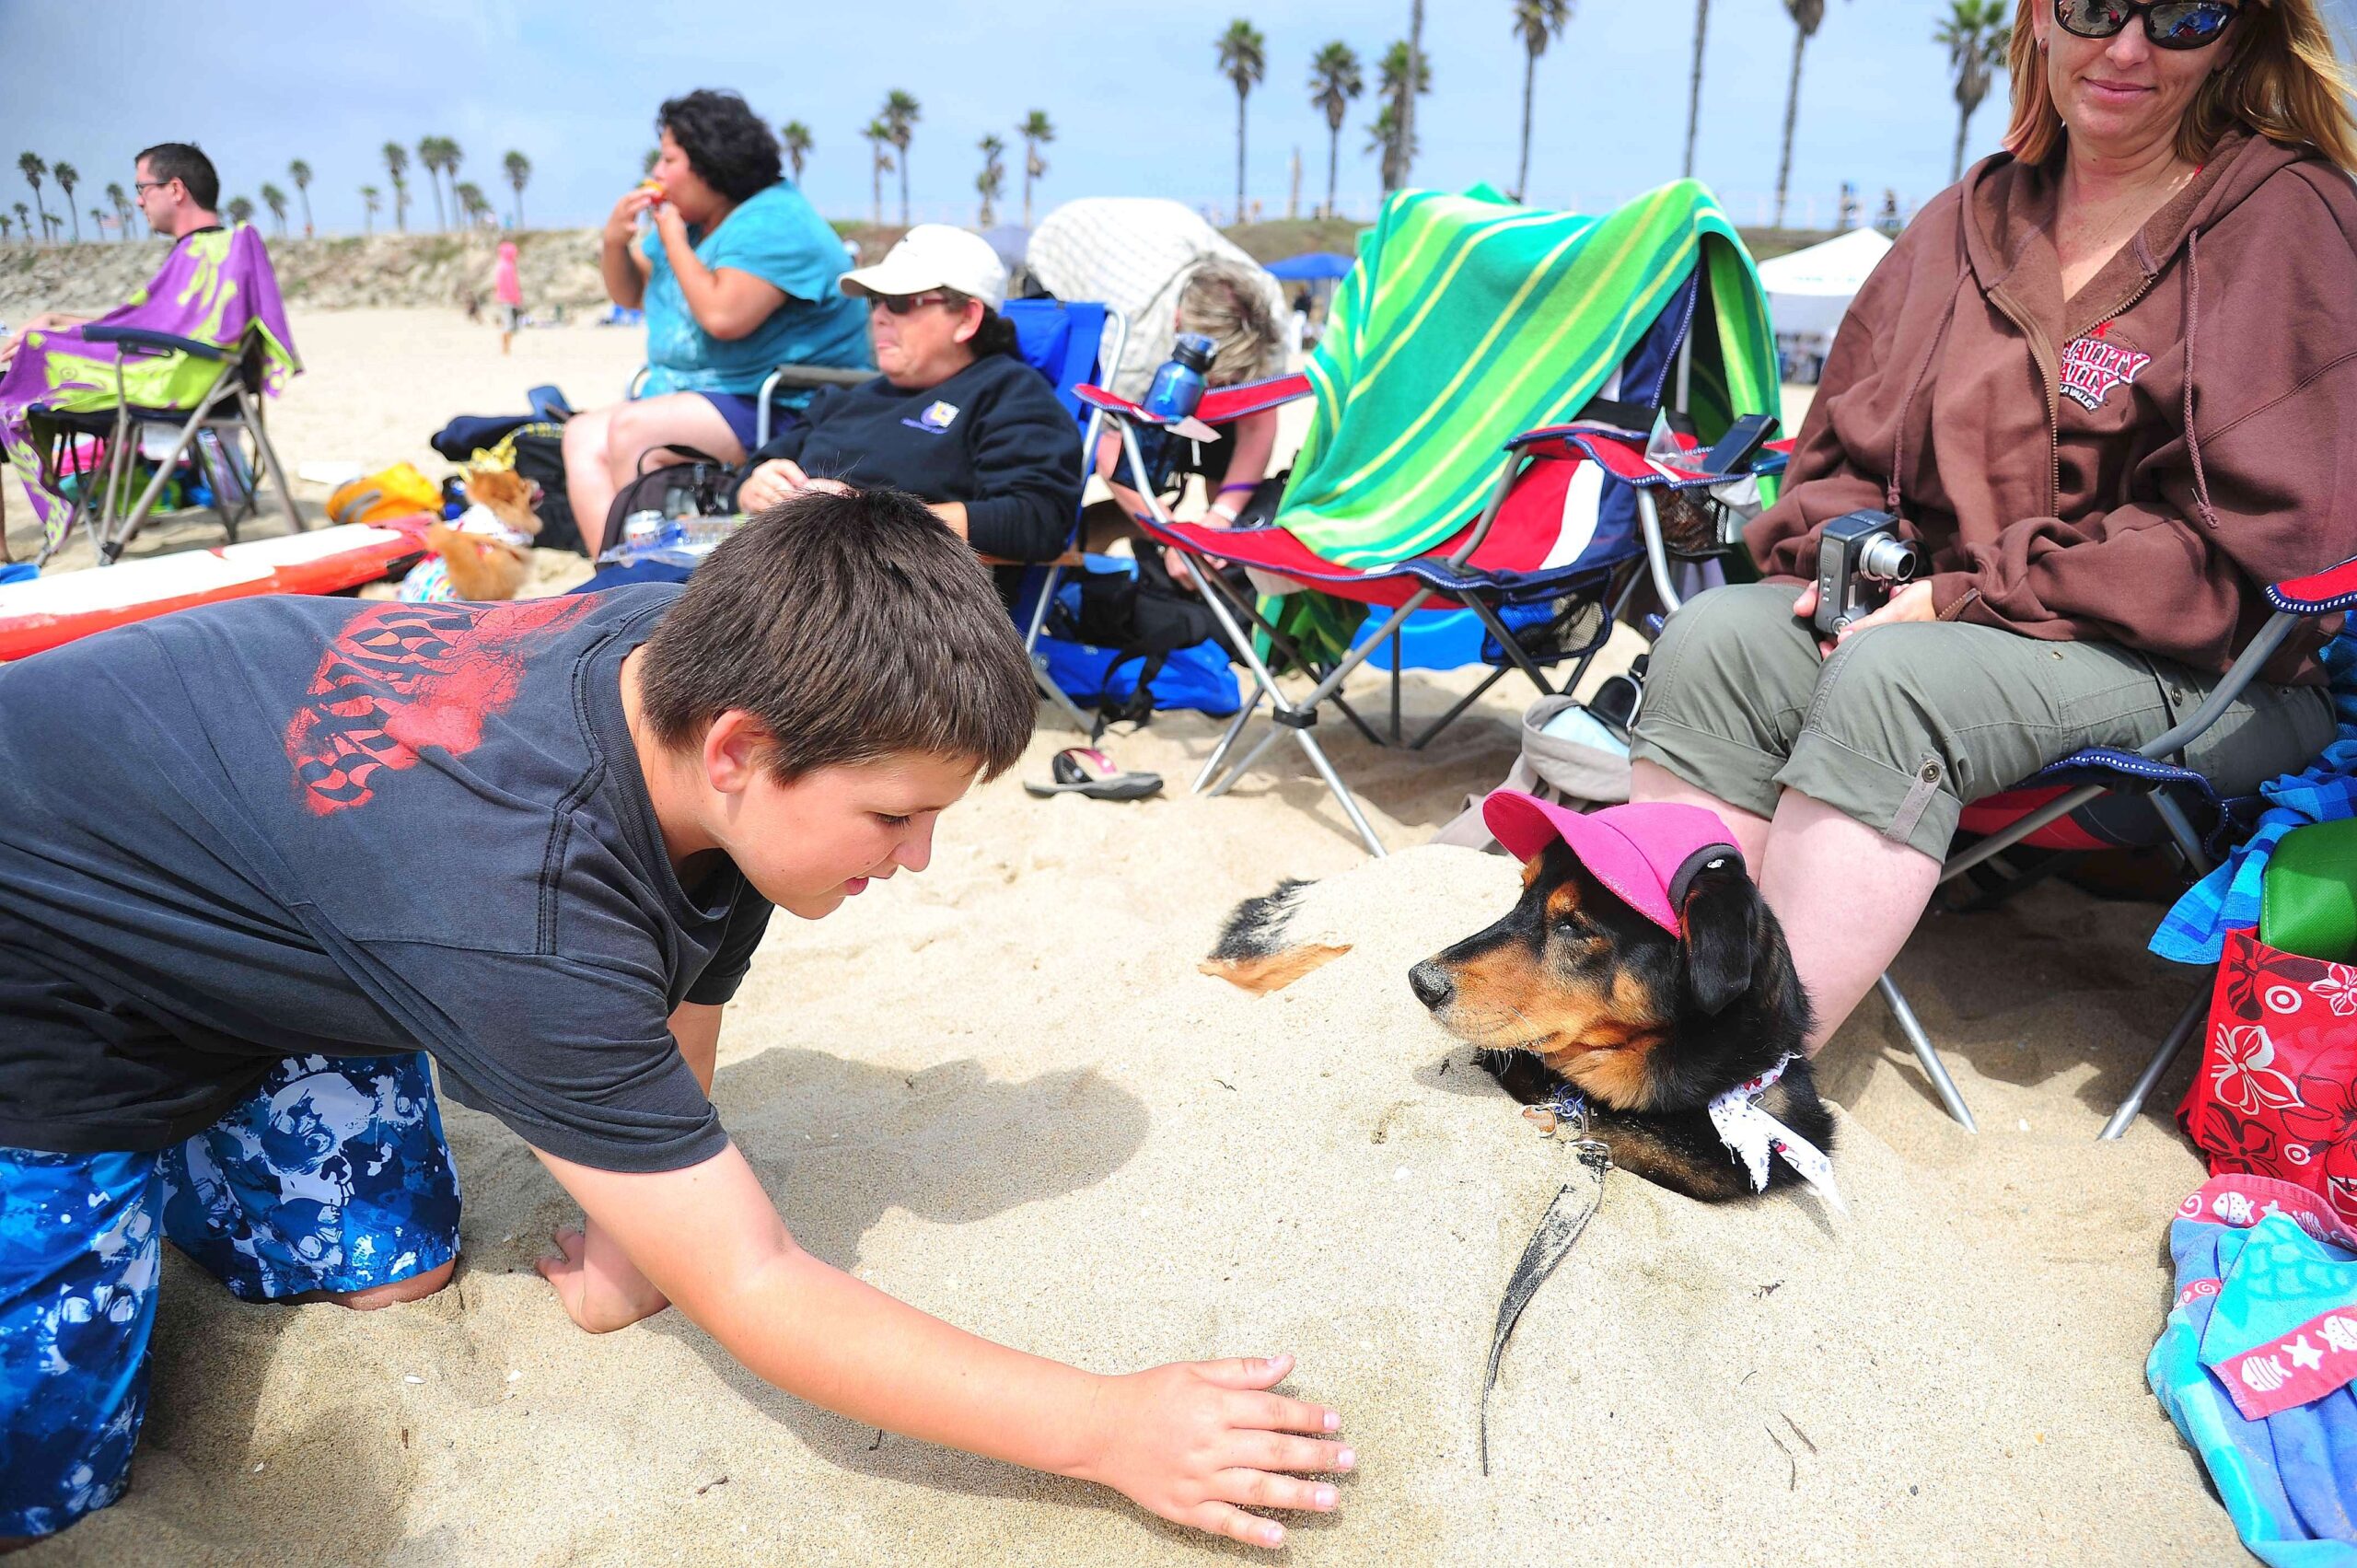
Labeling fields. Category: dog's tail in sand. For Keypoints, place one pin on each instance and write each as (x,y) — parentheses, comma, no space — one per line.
(1260,949)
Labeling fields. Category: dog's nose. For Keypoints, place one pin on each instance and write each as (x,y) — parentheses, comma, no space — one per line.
(1430,983)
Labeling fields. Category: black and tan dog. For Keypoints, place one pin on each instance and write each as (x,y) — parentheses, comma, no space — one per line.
(1650,982)
(1643,973)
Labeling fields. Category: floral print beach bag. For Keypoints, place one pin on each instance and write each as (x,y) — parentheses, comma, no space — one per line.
(2277,1091)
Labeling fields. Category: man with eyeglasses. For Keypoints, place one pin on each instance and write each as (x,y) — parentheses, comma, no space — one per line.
(215,284)
(176,190)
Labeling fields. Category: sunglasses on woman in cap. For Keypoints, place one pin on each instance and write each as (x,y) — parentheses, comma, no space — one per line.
(901,304)
(2169,24)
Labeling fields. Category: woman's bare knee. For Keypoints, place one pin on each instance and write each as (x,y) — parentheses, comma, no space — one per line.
(416,1287)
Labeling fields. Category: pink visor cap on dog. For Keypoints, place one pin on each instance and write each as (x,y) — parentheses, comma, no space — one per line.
(1647,853)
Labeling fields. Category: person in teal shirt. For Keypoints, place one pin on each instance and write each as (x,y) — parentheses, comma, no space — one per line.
(736,277)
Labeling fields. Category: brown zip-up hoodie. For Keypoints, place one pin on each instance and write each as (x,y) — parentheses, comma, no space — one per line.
(2039,447)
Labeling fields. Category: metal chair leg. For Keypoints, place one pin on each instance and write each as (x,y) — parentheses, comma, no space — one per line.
(1934,1068)
(1228,741)
(1341,791)
(1259,748)
(252,408)
(2188,1022)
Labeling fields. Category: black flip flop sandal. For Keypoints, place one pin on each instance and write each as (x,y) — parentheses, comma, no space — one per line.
(1083,770)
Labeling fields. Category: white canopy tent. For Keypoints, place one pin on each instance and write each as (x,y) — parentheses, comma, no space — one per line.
(1809,291)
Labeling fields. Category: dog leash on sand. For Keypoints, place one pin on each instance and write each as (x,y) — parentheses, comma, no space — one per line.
(1550,1244)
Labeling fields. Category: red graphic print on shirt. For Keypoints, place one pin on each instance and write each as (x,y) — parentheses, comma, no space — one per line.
(404,676)
(2092,368)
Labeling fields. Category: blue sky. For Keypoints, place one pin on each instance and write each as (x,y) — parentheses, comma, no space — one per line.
(1133,90)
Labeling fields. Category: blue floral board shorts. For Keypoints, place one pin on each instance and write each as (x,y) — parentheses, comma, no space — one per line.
(332,1174)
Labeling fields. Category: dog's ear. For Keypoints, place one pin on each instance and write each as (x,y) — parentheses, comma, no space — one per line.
(1722,916)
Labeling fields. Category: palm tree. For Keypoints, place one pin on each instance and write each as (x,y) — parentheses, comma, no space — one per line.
(901,113)
(1334,81)
(122,204)
(878,136)
(1694,85)
(1036,131)
(7,223)
(993,179)
(795,137)
(25,219)
(300,172)
(239,210)
(429,158)
(33,167)
(452,155)
(1395,126)
(1807,16)
(1535,22)
(369,198)
(1383,139)
(1243,60)
(275,200)
(472,205)
(654,156)
(99,222)
(1419,68)
(519,174)
(396,160)
(1978,37)
(67,177)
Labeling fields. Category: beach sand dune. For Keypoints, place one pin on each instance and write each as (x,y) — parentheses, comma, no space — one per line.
(1001,1091)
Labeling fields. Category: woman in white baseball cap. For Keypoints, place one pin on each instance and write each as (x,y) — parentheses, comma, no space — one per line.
(956,417)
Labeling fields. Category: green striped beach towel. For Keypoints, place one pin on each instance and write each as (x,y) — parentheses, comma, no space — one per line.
(1469,319)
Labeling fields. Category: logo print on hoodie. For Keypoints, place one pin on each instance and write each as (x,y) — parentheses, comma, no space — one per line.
(2092,368)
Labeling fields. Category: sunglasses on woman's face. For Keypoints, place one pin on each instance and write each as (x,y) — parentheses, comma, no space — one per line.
(901,304)
(2169,24)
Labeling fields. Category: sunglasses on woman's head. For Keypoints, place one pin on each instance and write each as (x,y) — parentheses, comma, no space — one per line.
(901,304)
(2169,24)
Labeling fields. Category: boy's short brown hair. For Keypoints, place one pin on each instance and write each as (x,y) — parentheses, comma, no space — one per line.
(853,627)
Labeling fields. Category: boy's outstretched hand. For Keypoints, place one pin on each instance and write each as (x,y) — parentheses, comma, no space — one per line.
(1201,1442)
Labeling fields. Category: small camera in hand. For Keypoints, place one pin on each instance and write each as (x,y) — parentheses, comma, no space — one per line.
(1860,561)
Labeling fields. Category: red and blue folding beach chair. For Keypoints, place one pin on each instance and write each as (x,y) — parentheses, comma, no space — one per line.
(1571,523)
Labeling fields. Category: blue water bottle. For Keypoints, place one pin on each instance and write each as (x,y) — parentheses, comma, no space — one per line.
(1179,385)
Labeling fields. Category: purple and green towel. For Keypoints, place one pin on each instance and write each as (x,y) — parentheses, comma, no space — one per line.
(2256,1362)
(215,287)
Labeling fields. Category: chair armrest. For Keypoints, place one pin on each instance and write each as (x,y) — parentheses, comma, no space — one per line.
(819,375)
(156,342)
(1217,407)
(1221,404)
(2319,593)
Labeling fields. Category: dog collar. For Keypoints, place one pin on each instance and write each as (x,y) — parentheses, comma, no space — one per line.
(1753,1135)
(481,519)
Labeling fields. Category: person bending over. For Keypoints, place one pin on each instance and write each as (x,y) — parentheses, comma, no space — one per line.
(2097,384)
(231,922)
(737,276)
(955,417)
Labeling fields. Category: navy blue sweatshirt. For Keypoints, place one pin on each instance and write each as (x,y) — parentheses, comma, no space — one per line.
(992,436)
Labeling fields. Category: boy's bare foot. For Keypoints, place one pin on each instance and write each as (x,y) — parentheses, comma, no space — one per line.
(415,1288)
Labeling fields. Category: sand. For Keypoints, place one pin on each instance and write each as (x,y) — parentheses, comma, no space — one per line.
(999,1090)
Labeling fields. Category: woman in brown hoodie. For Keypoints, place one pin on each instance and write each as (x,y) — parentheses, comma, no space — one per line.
(2104,383)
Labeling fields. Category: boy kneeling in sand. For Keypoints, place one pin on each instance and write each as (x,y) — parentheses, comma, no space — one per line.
(258,855)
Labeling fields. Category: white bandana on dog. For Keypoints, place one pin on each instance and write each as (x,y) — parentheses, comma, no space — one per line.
(1752,1134)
